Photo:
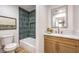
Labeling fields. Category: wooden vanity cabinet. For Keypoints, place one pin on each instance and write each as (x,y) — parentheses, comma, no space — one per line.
(55,44)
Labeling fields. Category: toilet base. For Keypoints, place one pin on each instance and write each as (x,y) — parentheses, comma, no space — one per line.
(10,51)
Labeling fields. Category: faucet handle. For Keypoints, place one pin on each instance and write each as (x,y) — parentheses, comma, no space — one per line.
(61,32)
(55,31)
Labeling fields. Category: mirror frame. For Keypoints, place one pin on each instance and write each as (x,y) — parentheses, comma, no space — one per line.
(6,26)
(66,16)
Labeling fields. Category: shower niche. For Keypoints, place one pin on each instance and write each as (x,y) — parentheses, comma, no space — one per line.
(27,23)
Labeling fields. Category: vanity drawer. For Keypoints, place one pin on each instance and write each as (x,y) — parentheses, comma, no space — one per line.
(52,37)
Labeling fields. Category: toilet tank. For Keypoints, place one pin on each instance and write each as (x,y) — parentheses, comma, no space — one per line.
(6,39)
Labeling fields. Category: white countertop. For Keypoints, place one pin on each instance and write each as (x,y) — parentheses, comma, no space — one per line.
(63,35)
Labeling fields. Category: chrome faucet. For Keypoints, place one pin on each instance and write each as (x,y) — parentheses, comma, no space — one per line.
(59,32)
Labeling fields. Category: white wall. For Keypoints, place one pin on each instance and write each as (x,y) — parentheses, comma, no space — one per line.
(76,19)
(9,11)
(41,25)
(68,30)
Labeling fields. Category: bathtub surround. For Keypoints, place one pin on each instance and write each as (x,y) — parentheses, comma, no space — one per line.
(26,23)
(23,23)
(32,24)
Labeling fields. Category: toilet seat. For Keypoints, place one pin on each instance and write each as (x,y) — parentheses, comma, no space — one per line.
(10,47)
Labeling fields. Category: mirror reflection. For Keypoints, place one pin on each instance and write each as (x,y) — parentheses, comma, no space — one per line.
(59,17)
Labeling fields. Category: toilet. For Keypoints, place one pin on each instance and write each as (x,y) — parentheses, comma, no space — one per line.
(9,44)
(10,48)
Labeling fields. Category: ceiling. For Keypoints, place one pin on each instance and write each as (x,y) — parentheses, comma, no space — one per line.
(28,7)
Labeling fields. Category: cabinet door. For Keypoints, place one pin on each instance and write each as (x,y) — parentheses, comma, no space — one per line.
(50,46)
(77,49)
(54,47)
(64,48)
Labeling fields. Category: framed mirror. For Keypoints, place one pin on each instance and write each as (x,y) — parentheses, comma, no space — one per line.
(59,17)
(7,23)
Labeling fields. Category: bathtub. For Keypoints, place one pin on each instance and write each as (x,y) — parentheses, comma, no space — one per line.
(28,44)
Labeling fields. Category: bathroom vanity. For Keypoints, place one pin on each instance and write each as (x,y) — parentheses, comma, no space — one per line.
(58,43)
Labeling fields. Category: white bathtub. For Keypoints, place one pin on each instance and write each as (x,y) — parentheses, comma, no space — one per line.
(28,44)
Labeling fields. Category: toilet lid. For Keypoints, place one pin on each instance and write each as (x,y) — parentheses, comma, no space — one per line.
(10,46)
